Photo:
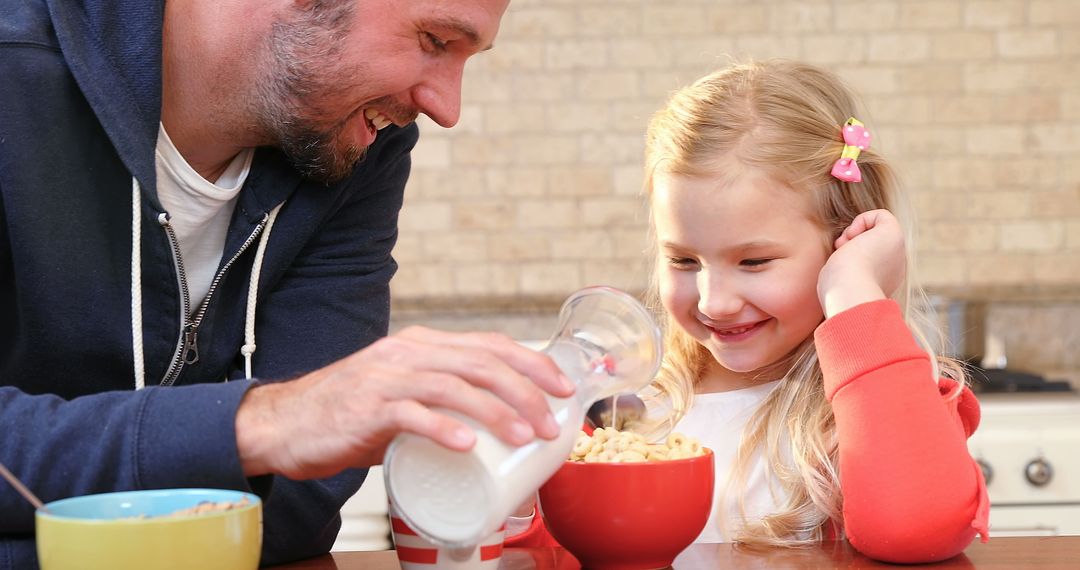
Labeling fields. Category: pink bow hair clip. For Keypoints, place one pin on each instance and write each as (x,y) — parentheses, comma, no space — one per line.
(856,140)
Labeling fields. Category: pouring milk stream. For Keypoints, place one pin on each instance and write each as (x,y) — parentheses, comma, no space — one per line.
(605,342)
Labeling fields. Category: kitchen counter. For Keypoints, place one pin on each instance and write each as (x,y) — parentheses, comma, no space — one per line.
(1044,553)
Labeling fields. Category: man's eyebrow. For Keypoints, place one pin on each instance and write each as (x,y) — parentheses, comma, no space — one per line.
(462,27)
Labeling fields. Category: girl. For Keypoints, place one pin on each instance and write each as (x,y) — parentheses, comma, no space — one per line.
(794,346)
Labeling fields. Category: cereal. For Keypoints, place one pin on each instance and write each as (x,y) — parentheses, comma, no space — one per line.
(607,445)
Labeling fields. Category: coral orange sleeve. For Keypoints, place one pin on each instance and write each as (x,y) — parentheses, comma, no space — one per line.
(912,492)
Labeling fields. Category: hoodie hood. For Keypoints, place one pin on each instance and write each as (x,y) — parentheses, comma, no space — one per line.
(118,70)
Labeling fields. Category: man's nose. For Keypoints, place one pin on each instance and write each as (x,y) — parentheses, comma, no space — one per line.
(718,297)
(439,95)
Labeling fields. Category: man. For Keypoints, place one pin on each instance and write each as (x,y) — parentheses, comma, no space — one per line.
(207,190)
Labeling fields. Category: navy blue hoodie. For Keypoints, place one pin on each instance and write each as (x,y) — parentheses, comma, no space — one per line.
(80,85)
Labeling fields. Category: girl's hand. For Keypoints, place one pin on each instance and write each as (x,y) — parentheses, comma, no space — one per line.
(867,265)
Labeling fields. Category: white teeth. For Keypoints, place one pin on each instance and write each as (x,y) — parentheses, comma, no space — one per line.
(736,331)
(380,122)
(370,113)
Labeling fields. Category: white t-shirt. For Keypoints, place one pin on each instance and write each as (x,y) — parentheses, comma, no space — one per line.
(717,420)
(199,210)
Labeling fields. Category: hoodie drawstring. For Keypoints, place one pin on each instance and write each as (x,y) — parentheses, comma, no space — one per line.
(248,349)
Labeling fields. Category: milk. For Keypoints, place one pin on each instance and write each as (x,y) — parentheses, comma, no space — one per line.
(456,498)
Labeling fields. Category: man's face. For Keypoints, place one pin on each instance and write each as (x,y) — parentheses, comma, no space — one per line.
(339,70)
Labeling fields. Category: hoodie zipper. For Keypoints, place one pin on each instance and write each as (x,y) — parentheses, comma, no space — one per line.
(187,345)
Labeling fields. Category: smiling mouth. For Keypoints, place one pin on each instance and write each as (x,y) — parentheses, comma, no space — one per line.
(735,332)
(377,120)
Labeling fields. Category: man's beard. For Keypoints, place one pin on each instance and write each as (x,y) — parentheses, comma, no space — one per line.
(301,72)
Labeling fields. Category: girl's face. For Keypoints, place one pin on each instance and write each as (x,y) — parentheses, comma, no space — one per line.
(738,266)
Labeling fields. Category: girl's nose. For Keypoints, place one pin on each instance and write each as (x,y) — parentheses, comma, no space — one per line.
(718,298)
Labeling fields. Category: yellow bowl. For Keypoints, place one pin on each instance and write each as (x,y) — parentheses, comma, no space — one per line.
(139,530)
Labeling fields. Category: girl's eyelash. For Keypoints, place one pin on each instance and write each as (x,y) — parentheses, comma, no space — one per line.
(680,261)
(756,262)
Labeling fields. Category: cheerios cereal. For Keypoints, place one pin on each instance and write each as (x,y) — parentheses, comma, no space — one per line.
(608,445)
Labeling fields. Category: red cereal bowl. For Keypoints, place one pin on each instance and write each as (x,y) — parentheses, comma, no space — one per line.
(628,516)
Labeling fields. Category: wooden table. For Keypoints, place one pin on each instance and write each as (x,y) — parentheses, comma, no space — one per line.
(1043,553)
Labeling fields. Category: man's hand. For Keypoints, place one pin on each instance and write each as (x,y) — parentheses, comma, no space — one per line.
(868,263)
(344,415)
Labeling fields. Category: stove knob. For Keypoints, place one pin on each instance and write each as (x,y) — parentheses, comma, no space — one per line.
(1039,472)
(987,471)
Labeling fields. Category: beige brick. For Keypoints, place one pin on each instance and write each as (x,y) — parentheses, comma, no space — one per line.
(438,183)
(931,141)
(932,78)
(1025,172)
(539,22)
(1028,107)
(628,275)
(665,19)
(806,16)
(580,181)
(1000,269)
(608,85)
(470,123)
(1031,236)
(632,116)
(426,217)
(637,53)
(1064,203)
(1057,269)
(934,204)
(962,110)
(550,278)
(485,214)
(1054,12)
(472,150)
(420,280)
(482,279)
(581,245)
(705,54)
(834,48)
(1058,75)
(966,45)
(1072,234)
(1070,44)
(579,117)
(738,18)
(408,248)
(455,245)
(904,109)
(861,16)
(576,54)
(1070,106)
(1056,139)
(996,77)
(899,48)
(996,140)
(763,46)
(942,270)
(994,13)
(615,212)
(547,214)
(431,153)
(550,86)
(963,172)
(518,182)
(545,149)
(628,180)
(658,85)
(999,205)
(631,243)
(609,21)
(479,88)
(1027,44)
(597,148)
(930,14)
(1070,171)
(517,245)
(872,80)
(514,55)
(514,118)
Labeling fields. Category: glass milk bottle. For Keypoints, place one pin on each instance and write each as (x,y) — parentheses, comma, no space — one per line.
(607,343)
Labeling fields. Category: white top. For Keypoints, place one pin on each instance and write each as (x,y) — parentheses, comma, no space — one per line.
(199,210)
(717,420)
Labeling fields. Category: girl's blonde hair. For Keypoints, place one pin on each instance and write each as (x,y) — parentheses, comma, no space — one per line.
(783,118)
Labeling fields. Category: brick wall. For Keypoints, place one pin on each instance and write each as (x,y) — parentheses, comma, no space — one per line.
(537,191)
